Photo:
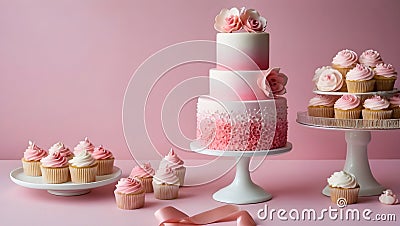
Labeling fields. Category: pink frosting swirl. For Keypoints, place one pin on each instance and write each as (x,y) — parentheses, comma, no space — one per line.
(129,186)
(370,58)
(360,73)
(102,153)
(59,147)
(84,145)
(386,70)
(395,100)
(345,58)
(144,171)
(171,160)
(322,100)
(54,159)
(34,153)
(376,103)
(329,79)
(166,176)
(347,102)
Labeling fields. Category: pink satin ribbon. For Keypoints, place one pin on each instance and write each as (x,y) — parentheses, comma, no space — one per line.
(170,216)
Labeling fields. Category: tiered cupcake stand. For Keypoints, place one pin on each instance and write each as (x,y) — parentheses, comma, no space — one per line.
(357,135)
(242,190)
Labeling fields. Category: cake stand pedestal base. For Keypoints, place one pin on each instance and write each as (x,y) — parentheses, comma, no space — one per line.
(358,165)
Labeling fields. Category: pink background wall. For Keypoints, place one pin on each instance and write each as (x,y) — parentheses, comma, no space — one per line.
(65,65)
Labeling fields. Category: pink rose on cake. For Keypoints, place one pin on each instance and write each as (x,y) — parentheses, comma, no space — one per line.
(252,21)
(273,82)
(228,20)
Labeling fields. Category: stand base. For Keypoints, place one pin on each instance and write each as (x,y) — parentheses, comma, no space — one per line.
(68,192)
(242,194)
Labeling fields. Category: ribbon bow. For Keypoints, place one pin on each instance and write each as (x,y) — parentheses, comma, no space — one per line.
(170,216)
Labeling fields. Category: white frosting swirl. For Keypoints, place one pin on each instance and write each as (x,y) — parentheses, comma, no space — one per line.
(376,103)
(342,180)
(84,158)
(329,80)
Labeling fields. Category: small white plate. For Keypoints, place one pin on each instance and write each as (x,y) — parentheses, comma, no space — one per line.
(64,189)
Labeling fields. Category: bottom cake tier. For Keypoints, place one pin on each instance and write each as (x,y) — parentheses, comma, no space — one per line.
(242,125)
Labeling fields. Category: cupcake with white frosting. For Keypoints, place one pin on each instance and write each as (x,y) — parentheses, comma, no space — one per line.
(172,161)
(328,79)
(376,107)
(83,168)
(343,185)
(165,184)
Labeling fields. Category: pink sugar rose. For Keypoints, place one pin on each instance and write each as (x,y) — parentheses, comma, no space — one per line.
(228,20)
(252,21)
(273,82)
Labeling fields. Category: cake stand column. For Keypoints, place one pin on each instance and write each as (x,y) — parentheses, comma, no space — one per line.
(357,163)
(242,190)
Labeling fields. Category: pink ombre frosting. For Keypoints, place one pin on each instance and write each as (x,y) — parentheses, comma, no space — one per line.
(347,102)
(360,73)
(328,79)
(395,100)
(102,153)
(171,160)
(128,186)
(34,153)
(322,100)
(144,171)
(376,103)
(345,58)
(370,58)
(386,70)
(84,145)
(54,159)
(166,176)
(60,147)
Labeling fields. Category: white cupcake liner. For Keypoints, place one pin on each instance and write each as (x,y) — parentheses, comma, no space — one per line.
(129,201)
(82,175)
(31,168)
(53,175)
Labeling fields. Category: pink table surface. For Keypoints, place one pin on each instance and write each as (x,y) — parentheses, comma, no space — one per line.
(293,184)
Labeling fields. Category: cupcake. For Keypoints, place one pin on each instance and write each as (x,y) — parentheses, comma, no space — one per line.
(328,79)
(104,159)
(385,77)
(344,61)
(31,160)
(360,79)
(321,106)
(370,58)
(55,168)
(348,107)
(129,194)
(64,151)
(343,185)
(84,145)
(144,174)
(176,164)
(376,107)
(395,105)
(165,184)
(83,168)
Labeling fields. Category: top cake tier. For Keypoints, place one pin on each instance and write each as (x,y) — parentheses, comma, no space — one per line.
(243,51)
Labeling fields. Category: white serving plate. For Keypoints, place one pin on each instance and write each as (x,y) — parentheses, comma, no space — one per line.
(64,189)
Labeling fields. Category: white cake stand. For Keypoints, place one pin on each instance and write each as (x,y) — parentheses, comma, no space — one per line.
(242,190)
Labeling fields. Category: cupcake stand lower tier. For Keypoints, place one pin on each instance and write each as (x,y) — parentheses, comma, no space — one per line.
(242,190)
(357,136)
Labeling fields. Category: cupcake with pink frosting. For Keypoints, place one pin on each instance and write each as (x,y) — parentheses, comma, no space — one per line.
(144,173)
(129,194)
(172,161)
(385,77)
(395,105)
(348,107)
(328,79)
(84,145)
(360,79)
(344,61)
(322,106)
(64,151)
(376,107)
(370,58)
(165,184)
(83,168)
(104,159)
(55,168)
(31,160)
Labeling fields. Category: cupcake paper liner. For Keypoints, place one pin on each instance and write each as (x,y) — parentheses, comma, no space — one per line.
(53,175)
(381,114)
(165,191)
(105,166)
(384,84)
(129,201)
(350,194)
(82,175)
(321,111)
(180,173)
(360,86)
(147,183)
(396,112)
(31,168)
(348,114)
